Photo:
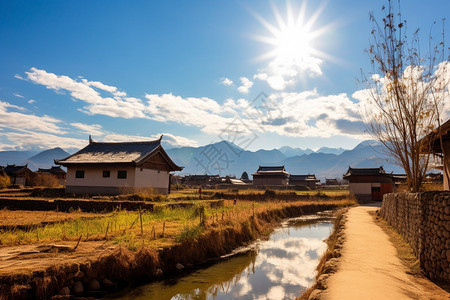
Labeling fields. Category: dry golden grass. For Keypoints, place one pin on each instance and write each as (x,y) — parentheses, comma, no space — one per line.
(33,218)
(161,228)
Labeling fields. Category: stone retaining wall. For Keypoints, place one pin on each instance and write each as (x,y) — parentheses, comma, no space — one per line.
(424,221)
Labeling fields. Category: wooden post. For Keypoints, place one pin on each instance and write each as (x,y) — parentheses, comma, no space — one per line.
(140,217)
(106,234)
(154,232)
(75,248)
(164,228)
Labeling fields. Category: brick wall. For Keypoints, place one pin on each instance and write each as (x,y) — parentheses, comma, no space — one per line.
(424,221)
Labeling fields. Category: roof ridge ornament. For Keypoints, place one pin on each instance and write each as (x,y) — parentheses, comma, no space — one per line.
(90,139)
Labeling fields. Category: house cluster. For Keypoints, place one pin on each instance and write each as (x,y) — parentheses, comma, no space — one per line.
(130,167)
(273,176)
(21,175)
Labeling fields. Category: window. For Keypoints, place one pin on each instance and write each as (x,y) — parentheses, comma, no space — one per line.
(376,189)
(79,174)
(122,174)
(106,174)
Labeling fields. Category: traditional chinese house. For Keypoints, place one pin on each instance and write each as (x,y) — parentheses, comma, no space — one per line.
(200,180)
(271,175)
(309,180)
(119,168)
(56,171)
(369,183)
(438,143)
(19,175)
(331,181)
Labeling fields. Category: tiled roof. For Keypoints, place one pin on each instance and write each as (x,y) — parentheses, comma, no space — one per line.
(126,152)
(309,177)
(432,142)
(271,170)
(365,171)
(13,169)
(52,170)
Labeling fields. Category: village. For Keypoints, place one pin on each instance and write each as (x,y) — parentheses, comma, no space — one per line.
(131,175)
(215,150)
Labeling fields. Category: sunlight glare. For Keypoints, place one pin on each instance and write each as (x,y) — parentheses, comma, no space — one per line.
(292,35)
(292,43)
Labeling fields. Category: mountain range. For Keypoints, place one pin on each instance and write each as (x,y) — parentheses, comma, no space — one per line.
(34,159)
(226,158)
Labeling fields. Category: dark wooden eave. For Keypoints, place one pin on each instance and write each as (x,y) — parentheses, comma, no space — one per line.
(432,142)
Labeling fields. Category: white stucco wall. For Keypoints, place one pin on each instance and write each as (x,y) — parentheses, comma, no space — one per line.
(94,177)
(151,178)
(361,188)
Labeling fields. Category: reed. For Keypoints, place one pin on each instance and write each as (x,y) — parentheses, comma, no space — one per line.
(162,227)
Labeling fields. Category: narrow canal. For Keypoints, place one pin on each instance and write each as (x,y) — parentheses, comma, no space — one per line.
(281,267)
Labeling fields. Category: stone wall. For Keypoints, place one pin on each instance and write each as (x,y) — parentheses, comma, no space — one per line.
(424,221)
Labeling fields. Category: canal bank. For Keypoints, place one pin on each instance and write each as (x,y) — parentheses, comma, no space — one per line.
(278,267)
(102,271)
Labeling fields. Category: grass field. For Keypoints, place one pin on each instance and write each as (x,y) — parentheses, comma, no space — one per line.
(190,192)
(160,228)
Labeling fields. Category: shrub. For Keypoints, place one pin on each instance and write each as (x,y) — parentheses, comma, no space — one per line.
(45,180)
(5,181)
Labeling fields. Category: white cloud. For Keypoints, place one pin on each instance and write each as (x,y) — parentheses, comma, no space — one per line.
(200,112)
(18,95)
(226,81)
(176,141)
(94,129)
(20,121)
(97,131)
(119,106)
(26,139)
(31,101)
(18,77)
(417,86)
(246,85)
(305,114)
(280,73)
(309,114)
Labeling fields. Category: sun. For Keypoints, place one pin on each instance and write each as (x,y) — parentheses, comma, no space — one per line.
(292,43)
(292,36)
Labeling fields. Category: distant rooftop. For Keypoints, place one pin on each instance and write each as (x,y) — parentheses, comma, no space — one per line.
(266,170)
(365,171)
(309,177)
(13,169)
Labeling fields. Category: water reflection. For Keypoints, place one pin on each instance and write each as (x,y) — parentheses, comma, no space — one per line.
(279,268)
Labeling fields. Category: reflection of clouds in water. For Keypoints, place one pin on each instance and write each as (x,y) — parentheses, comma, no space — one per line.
(284,266)
(276,292)
(296,266)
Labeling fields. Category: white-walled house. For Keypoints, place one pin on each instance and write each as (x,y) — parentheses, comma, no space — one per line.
(369,184)
(119,168)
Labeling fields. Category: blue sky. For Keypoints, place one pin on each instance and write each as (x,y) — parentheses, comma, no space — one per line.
(131,70)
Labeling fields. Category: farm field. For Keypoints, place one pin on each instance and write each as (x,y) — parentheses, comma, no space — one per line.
(15,218)
(163,227)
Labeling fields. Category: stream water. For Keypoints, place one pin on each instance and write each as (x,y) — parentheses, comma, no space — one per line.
(281,267)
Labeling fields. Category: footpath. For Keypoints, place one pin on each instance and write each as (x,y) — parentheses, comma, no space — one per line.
(369,267)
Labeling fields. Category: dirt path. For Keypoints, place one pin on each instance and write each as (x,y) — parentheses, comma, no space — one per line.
(369,267)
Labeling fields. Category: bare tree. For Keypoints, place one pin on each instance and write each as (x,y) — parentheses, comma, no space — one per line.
(405,91)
